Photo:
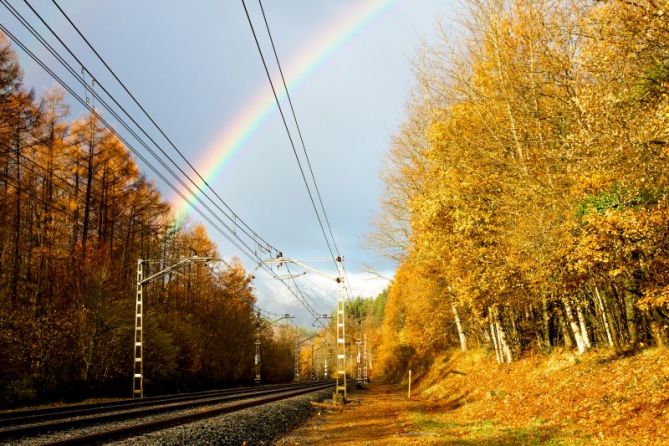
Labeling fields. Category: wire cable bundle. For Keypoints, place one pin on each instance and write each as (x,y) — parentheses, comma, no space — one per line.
(221,218)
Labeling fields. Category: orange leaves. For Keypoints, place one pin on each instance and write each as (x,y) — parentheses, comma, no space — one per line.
(503,172)
(655,297)
(620,244)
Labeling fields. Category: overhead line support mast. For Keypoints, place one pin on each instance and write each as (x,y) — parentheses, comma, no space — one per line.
(341,316)
(297,359)
(341,329)
(364,360)
(138,343)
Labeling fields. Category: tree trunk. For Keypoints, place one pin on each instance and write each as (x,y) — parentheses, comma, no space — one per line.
(493,336)
(584,328)
(16,269)
(568,343)
(580,344)
(87,198)
(546,324)
(656,329)
(501,337)
(461,333)
(75,216)
(605,318)
(630,314)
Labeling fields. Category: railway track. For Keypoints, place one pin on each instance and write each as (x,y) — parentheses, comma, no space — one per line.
(128,418)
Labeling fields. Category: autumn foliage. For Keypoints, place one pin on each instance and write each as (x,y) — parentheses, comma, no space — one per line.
(75,216)
(526,193)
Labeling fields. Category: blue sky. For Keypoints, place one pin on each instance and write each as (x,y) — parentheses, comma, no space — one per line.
(193,65)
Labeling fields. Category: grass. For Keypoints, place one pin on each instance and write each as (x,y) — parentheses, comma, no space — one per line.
(488,432)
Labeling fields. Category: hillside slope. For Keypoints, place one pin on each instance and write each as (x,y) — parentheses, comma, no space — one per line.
(599,397)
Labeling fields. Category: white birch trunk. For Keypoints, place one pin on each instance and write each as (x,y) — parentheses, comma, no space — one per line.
(493,336)
(501,338)
(574,327)
(604,318)
(461,333)
(584,328)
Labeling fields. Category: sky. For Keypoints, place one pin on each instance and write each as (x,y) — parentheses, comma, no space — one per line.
(195,68)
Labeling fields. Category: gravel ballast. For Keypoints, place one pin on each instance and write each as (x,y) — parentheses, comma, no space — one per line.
(253,426)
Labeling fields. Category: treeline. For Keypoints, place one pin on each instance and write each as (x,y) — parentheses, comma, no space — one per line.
(75,216)
(364,317)
(526,194)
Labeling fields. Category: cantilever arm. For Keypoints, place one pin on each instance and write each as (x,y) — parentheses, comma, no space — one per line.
(281,260)
(177,265)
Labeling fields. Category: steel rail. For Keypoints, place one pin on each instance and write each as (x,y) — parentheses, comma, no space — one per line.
(166,422)
(44,414)
(157,408)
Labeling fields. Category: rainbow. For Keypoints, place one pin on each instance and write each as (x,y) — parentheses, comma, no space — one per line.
(255,112)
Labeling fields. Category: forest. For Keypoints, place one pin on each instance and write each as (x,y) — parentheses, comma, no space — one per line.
(525,205)
(526,192)
(76,214)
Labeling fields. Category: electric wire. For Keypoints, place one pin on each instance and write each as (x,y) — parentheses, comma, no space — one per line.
(301,138)
(234,218)
(292,277)
(297,126)
(82,101)
(155,124)
(285,124)
(301,298)
(89,89)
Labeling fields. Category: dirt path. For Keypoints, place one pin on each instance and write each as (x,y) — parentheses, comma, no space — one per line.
(382,415)
(376,415)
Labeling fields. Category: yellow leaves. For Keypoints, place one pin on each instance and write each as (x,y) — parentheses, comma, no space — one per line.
(544,109)
(654,298)
(616,272)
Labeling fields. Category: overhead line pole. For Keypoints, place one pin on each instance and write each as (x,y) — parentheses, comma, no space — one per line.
(341,316)
(257,361)
(364,360)
(138,343)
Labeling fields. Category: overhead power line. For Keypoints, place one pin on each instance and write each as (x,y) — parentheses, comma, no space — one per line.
(297,126)
(243,248)
(155,124)
(300,136)
(287,129)
(234,218)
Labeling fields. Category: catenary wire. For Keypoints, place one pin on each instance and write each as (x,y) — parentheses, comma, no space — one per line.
(89,89)
(297,126)
(160,130)
(82,101)
(235,219)
(301,138)
(285,124)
